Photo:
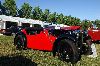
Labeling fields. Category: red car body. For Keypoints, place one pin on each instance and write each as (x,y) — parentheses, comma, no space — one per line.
(94,34)
(65,42)
(43,40)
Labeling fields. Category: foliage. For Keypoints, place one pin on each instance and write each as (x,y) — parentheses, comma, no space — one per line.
(86,24)
(11,7)
(2,9)
(60,18)
(11,54)
(25,11)
(52,17)
(69,20)
(97,22)
(37,13)
(46,14)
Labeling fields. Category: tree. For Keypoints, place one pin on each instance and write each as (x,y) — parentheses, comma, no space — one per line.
(61,17)
(41,15)
(97,23)
(46,14)
(11,7)
(25,11)
(68,20)
(2,9)
(52,17)
(76,21)
(37,12)
(86,24)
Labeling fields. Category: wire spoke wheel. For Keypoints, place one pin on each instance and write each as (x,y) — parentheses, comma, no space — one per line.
(67,51)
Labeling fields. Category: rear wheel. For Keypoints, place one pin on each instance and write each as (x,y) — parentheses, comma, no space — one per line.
(67,51)
(20,41)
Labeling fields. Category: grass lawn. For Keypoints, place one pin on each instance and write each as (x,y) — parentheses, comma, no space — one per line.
(9,56)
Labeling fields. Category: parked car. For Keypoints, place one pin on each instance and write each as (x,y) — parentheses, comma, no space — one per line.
(64,42)
(94,33)
(12,30)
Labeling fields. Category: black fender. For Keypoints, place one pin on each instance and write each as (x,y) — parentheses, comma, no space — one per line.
(86,39)
(65,36)
(86,48)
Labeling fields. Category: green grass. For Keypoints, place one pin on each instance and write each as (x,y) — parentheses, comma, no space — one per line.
(9,56)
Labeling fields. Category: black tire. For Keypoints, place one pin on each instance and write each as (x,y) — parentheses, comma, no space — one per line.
(67,51)
(20,41)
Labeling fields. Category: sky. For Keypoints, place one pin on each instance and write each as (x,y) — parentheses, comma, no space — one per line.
(83,9)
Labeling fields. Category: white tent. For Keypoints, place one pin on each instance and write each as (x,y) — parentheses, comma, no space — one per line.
(7,18)
(22,20)
(19,20)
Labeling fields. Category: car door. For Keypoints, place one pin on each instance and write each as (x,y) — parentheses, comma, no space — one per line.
(33,39)
(47,40)
(40,39)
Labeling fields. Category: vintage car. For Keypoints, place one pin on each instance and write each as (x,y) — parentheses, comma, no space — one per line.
(94,33)
(12,30)
(64,42)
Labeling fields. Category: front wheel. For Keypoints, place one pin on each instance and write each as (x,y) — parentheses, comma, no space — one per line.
(67,51)
(20,41)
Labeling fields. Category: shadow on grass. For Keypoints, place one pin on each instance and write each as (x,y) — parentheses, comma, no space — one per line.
(16,61)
